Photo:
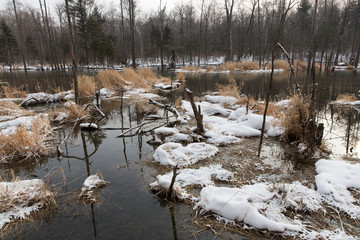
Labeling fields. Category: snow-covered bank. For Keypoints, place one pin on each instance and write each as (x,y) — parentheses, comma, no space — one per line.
(21,198)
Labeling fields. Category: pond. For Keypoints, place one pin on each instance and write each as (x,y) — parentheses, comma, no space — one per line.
(127,210)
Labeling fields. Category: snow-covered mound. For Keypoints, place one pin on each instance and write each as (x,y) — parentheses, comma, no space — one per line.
(187,177)
(20,198)
(172,154)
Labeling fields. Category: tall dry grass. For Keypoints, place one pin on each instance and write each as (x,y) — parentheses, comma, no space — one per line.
(13,92)
(86,85)
(148,74)
(247,66)
(180,76)
(110,79)
(8,108)
(134,79)
(281,64)
(191,68)
(231,89)
(347,97)
(24,144)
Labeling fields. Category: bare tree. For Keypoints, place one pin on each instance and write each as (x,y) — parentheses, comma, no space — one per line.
(131,10)
(229,6)
(73,54)
(21,43)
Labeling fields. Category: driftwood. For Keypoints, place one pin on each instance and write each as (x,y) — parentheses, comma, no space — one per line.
(28,99)
(166,107)
(197,112)
(137,126)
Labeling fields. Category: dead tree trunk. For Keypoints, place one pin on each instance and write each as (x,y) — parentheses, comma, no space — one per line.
(76,88)
(169,192)
(197,113)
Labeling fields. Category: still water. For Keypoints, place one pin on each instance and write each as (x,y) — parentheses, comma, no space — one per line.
(127,210)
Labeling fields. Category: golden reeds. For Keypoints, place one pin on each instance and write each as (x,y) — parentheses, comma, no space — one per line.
(86,85)
(8,108)
(347,97)
(110,79)
(231,89)
(180,76)
(13,92)
(23,143)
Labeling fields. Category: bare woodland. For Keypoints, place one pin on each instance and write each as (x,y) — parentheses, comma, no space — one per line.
(196,30)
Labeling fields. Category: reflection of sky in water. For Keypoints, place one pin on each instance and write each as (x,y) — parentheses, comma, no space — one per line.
(338,122)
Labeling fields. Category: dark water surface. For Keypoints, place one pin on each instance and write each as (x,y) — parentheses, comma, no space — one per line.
(127,209)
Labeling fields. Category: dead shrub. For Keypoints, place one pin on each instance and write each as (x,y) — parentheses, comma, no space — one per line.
(110,79)
(14,92)
(294,119)
(24,144)
(180,76)
(86,85)
(346,97)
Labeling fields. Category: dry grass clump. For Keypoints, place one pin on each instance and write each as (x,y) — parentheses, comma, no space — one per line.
(180,76)
(281,64)
(346,97)
(294,118)
(86,85)
(110,79)
(228,66)
(24,144)
(18,194)
(247,66)
(13,92)
(8,108)
(134,79)
(89,192)
(211,69)
(300,65)
(231,89)
(70,109)
(191,68)
(148,74)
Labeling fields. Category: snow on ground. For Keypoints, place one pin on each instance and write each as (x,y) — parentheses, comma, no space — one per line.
(141,93)
(333,181)
(89,126)
(190,177)
(166,134)
(91,183)
(172,154)
(243,204)
(221,99)
(353,103)
(41,97)
(9,127)
(20,198)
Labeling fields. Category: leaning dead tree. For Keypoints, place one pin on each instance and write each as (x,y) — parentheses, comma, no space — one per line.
(197,113)
(282,21)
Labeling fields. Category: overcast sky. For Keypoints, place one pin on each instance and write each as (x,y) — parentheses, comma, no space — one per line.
(144,5)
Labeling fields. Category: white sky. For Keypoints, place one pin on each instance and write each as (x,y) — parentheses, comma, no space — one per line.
(144,5)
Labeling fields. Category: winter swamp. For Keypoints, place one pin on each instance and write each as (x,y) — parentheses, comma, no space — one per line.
(142,163)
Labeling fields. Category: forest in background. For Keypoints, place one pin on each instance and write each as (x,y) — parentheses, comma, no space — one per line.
(197,31)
